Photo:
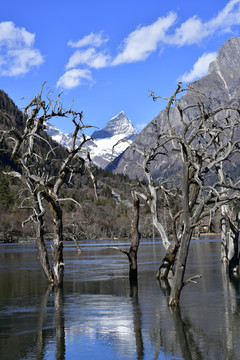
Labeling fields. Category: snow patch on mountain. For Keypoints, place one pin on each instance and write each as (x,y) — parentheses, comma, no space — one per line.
(102,143)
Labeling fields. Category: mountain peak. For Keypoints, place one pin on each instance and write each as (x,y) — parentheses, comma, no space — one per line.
(228,56)
(101,147)
(118,125)
(227,65)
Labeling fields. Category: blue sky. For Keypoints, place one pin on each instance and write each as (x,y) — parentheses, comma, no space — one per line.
(106,55)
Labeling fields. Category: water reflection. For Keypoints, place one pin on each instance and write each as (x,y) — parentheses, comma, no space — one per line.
(137,324)
(42,336)
(99,314)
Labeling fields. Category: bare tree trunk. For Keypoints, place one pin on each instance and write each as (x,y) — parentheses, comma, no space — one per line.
(132,254)
(58,265)
(186,236)
(152,202)
(168,260)
(233,255)
(180,269)
(76,243)
(42,251)
(74,237)
(229,240)
(224,246)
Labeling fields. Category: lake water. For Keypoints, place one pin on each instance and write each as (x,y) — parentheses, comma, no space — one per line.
(97,315)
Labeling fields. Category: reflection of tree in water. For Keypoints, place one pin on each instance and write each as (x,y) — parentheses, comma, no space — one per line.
(186,335)
(59,321)
(137,323)
(231,315)
(42,334)
(196,336)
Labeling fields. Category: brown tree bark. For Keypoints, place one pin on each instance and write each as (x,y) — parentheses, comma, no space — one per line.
(178,281)
(132,254)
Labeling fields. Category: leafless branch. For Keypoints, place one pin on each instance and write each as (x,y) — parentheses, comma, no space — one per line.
(191,279)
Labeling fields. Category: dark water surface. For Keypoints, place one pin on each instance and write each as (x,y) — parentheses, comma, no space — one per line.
(97,315)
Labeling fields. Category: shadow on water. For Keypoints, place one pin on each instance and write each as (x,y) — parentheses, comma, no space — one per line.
(98,314)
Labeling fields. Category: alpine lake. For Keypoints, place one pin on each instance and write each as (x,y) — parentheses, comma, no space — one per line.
(98,315)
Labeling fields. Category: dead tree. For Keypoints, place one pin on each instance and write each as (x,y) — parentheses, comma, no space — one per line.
(229,224)
(195,134)
(41,186)
(230,237)
(150,192)
(196,137)
(135,241)
(132,254)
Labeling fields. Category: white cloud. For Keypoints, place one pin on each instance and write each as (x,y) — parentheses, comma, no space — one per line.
(145,40)
(21,60)
(200,68)
(88,57)
(74,77)
(13,37)
(92,39)
(190,32)
(194,30)
(229,16)
(17,54)
(140,43)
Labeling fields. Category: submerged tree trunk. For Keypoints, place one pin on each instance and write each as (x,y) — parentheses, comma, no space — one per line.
(168,260)
(180,269)
(132,254)
(76,243)
(53,273)
(58,265)
(41,246)
(186,236)
(42,252)
(224,245)
(229,240)
(233,255)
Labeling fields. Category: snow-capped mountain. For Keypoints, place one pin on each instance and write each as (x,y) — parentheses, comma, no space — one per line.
(101,146)
(58,136)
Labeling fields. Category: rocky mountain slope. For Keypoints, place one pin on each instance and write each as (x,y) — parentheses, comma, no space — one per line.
(220,85)
(101,147)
